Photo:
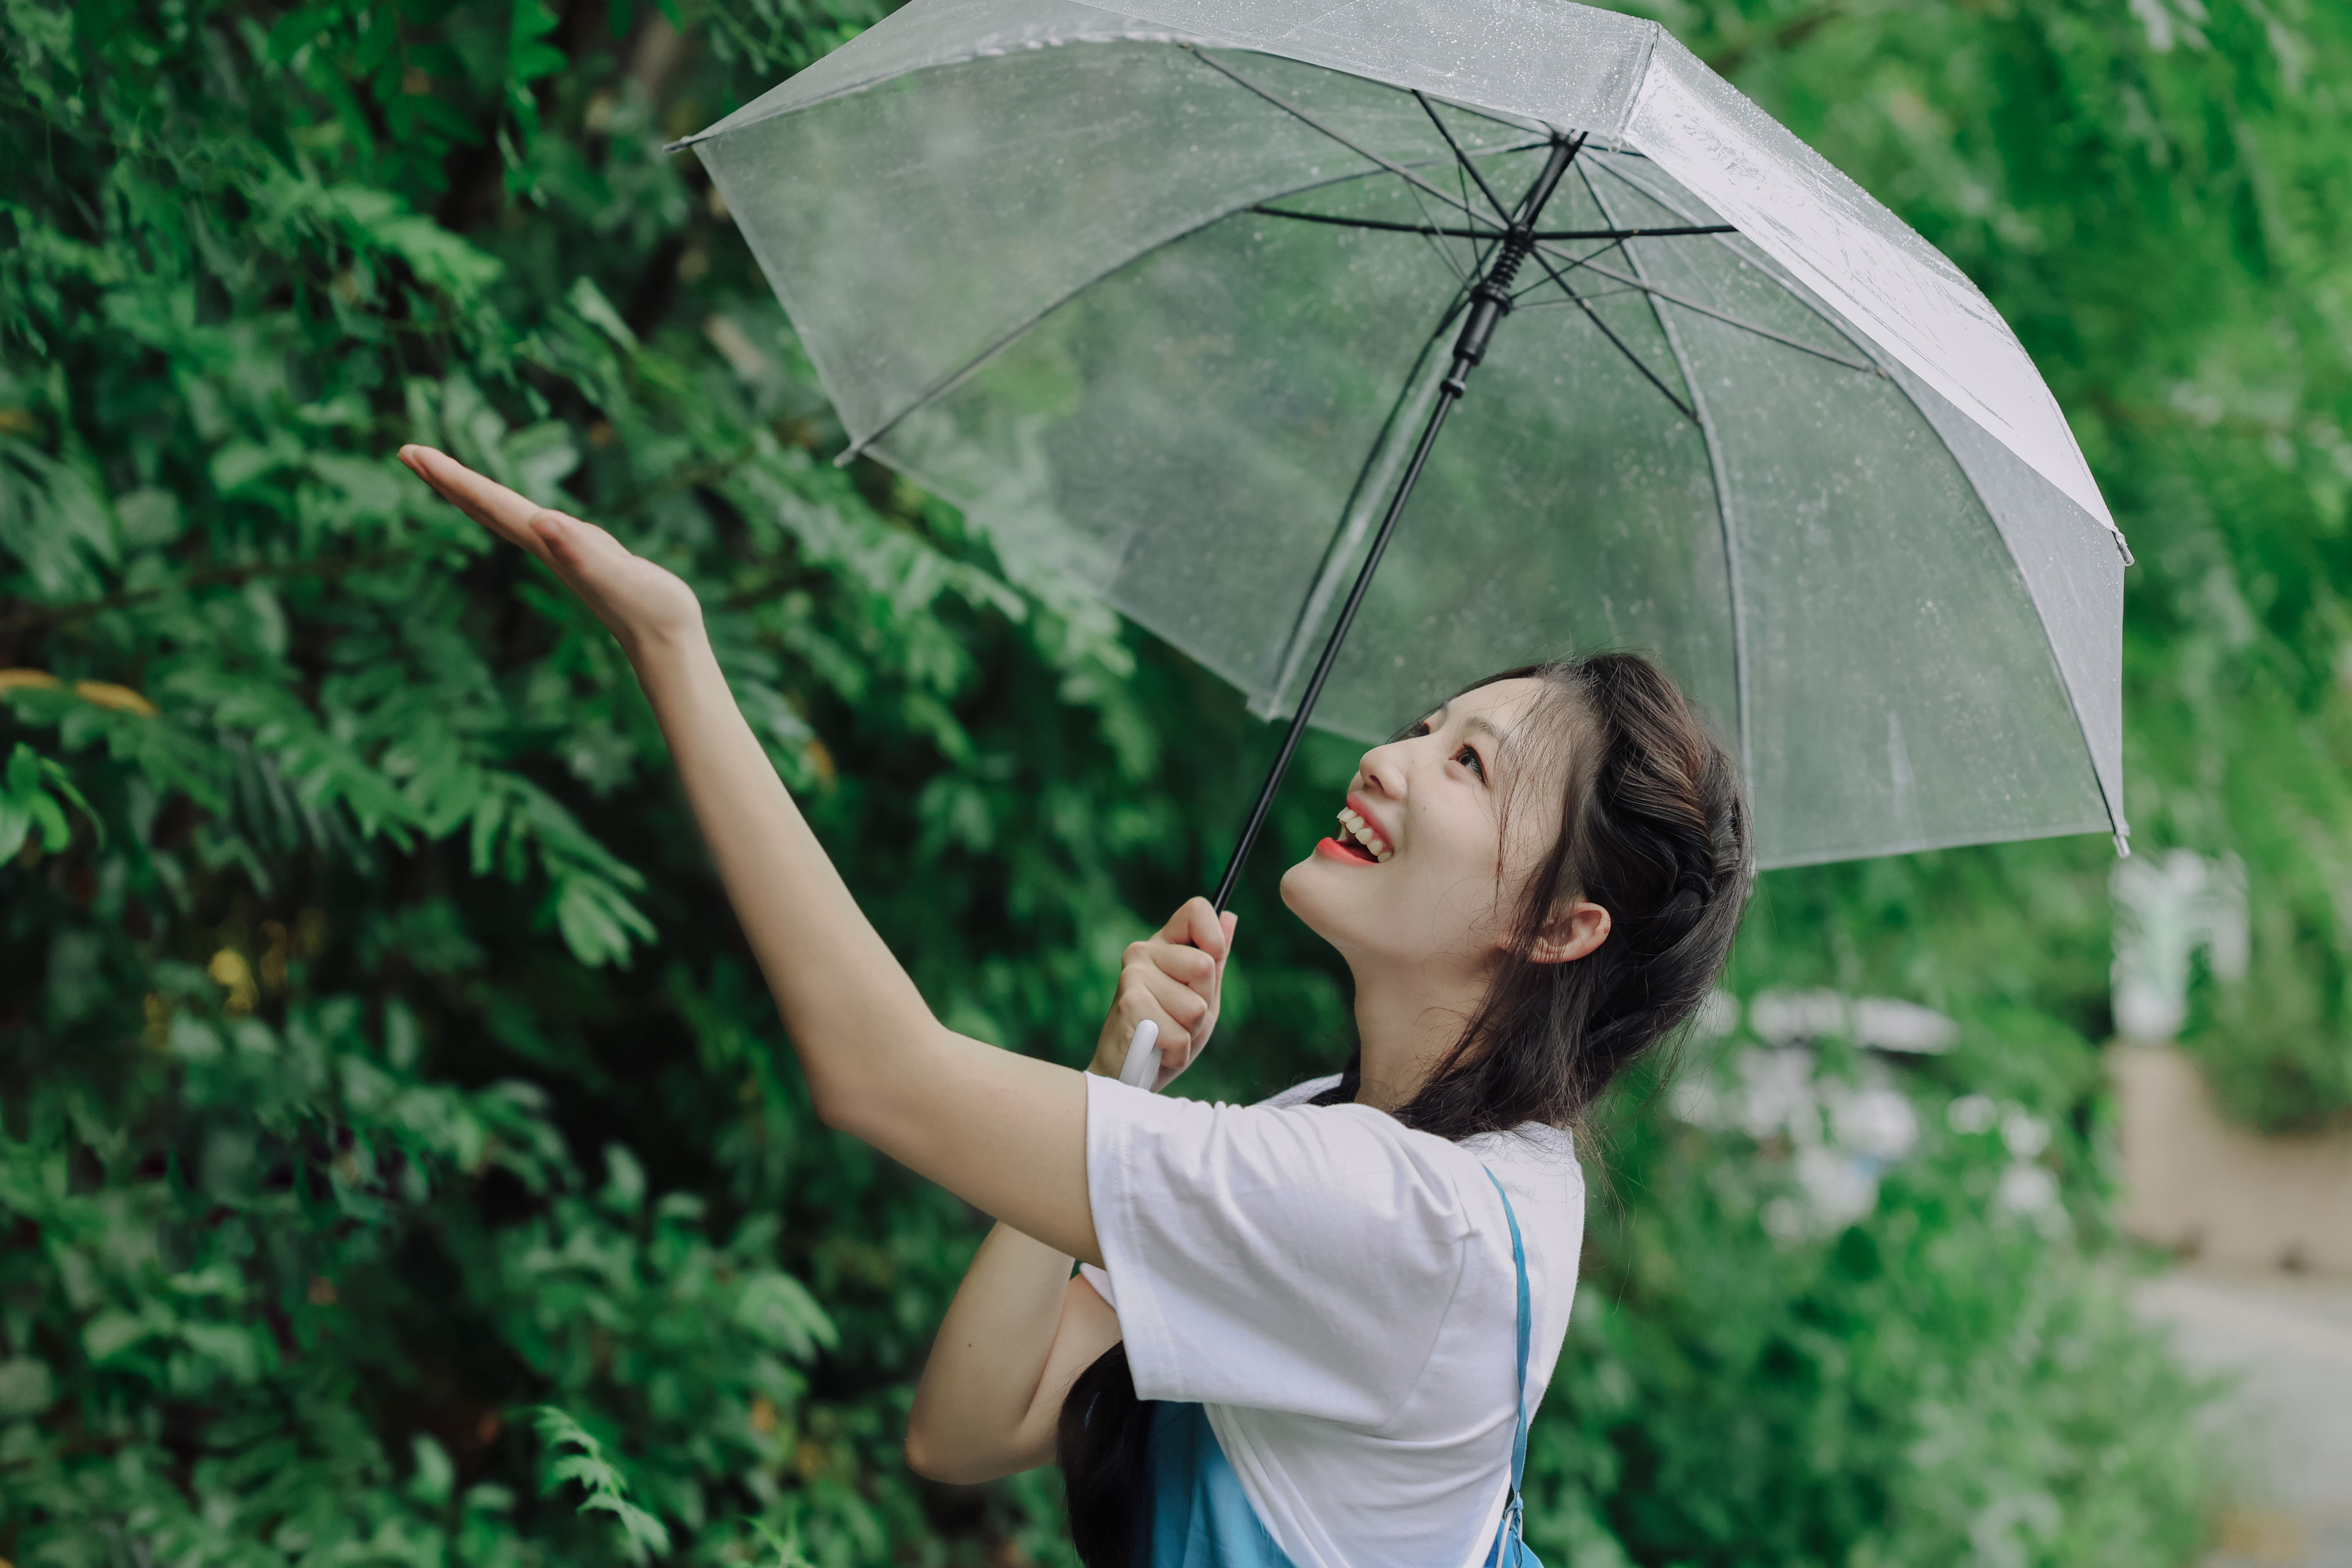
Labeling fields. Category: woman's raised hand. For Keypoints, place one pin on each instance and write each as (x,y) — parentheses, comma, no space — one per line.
(638,602)
(1173,978)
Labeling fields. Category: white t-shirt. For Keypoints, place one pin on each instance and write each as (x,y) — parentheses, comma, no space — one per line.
(1337,1290)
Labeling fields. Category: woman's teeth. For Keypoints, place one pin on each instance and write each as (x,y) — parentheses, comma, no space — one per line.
(1363,833)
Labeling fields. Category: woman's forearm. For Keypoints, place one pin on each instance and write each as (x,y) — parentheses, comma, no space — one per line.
(850,1008)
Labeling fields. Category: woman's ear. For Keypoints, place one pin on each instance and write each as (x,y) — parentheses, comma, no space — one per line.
(1580,926)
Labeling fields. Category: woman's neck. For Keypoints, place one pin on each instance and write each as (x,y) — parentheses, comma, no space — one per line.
(1407,1016)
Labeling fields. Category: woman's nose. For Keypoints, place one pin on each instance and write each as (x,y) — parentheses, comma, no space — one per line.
(1382,770)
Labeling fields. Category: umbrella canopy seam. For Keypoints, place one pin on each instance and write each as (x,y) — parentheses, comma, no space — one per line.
(1386,455)
(1725,508)
(2110,796)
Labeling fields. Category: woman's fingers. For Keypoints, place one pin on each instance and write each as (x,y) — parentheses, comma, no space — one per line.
(1188,966)
(635,598)
(504,512)
(1182,1002)
(1196,923)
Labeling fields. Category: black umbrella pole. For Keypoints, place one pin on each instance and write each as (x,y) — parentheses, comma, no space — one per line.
(1449,393)
(1489,303)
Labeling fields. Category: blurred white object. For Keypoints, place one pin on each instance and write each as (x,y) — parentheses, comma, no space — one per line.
(1787,1018)
(1844,1134)
(1871,1118)
(1717,1016)
(2031,1192)
(1971,1113)
(1888,1023)
(2026,1135)
(1881,1022)
(2169,907)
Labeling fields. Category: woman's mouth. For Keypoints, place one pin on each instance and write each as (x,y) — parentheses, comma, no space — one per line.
(1346,850)
(1358,837)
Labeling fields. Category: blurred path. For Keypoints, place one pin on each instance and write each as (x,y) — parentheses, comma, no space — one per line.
(2287,1341)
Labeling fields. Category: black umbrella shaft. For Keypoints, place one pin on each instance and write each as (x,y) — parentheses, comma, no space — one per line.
(1490,299)
(1449,392)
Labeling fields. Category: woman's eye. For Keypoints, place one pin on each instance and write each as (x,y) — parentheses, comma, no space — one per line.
(1468,757)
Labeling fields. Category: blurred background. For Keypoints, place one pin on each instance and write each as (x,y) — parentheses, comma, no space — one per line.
(399,1162)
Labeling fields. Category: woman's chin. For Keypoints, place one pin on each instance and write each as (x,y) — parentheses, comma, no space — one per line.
(1315,890)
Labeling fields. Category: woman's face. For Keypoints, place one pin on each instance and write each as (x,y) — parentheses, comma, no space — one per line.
(1415,870)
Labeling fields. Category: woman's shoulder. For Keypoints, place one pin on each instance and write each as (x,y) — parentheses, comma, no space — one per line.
(1534,1159)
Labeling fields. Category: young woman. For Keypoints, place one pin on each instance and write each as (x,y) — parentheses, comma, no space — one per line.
(1342,1303)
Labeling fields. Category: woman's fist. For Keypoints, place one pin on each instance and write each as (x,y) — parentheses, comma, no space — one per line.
(1174,979)
(638,602)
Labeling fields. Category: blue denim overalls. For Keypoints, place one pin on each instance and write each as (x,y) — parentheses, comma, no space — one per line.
(1201,1518)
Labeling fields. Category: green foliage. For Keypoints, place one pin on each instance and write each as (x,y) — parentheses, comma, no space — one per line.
(1942,1383)
(377,1057)
(2155,195)
(607,1488)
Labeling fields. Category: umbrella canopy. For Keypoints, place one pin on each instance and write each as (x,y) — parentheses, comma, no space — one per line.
(1162,294)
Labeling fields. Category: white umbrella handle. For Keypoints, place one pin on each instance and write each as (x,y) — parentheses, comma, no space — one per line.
(1142,1064)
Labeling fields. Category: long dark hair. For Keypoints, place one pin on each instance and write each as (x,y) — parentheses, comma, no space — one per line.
(1653,826)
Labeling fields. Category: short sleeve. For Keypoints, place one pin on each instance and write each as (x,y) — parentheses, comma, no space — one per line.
(1288,1258)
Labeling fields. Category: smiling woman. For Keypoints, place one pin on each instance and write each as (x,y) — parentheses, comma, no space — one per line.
(1321,1293)
(1299,1340)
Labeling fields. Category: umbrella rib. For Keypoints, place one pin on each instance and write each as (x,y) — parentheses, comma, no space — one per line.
(1725,318)
(1437,244)
(1549,233)
(1462,158)
(1617,342)
(1831,322)
(1407,176)
(1587,259)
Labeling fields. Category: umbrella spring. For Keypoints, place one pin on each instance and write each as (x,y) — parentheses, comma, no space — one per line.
(1492,296)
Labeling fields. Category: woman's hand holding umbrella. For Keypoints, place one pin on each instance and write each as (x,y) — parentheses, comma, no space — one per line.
(1173,981)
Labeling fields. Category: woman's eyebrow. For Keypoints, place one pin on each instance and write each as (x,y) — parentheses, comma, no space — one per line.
(1478,725)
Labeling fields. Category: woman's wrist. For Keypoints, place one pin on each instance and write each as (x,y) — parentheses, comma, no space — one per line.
(652,649)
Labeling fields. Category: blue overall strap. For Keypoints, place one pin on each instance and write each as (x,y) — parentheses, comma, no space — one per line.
(1508,1549)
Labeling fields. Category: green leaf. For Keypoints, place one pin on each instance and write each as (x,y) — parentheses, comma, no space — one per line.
(590,302)
(240,463)
(26,1386)
(607,1490)
(109,1334)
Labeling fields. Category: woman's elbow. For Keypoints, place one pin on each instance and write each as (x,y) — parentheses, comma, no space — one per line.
(920,1459)
(846,1105)
(937,1461)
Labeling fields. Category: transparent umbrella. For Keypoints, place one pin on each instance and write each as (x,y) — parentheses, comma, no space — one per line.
(1175,296)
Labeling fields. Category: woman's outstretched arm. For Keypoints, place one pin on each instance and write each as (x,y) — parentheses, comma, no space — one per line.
(1005,1131)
